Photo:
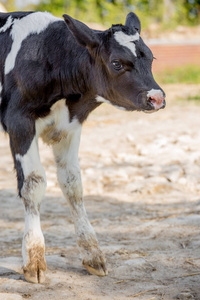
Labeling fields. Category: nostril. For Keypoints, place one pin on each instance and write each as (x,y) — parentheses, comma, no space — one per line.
(152,100)
(156,102)
(156,99)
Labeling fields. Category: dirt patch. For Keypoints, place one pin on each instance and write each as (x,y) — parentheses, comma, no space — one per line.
(141,179)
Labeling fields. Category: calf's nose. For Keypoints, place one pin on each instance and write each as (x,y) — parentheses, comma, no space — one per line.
(156,98)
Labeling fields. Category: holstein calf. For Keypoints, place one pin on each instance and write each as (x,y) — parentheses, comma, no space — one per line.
(53,73)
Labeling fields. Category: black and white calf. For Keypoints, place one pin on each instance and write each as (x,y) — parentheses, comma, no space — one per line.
(53,73)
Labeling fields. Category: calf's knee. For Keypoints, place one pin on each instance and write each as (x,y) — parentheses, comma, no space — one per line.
(70,183)
(32,191)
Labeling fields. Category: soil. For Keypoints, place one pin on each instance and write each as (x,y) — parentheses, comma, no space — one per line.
(141,179)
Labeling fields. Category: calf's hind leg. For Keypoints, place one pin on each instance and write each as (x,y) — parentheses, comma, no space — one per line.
(69,177)
(31,186)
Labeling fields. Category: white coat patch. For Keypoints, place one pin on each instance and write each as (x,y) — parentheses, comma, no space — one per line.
(7,25)
(120,107)
(31,161)
(57,121)
(34,23)
(154,92)
(102,100)
(127,40)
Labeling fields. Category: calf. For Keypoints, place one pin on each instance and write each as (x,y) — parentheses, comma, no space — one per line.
(53,73)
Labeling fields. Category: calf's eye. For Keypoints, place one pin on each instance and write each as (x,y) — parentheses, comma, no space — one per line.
(117,65)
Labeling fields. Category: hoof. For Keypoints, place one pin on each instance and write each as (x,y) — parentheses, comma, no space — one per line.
(96,268)
(34,276)
(34,271)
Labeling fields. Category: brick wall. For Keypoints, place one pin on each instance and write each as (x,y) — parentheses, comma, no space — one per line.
(171,56)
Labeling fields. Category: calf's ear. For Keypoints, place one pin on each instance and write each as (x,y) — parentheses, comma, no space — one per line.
(84,35)
(133,21)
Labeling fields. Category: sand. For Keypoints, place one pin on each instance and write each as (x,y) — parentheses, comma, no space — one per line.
(141,179)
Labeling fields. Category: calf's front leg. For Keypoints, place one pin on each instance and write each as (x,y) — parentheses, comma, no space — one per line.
(69,178)
(31,186)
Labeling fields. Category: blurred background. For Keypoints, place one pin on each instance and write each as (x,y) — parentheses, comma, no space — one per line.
(171,28)
(140,172)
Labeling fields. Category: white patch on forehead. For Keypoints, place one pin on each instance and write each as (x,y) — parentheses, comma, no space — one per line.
(127,40)
(7,25)
(154,92)
(34,23)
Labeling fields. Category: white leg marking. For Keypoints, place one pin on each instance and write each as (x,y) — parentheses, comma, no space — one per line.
(30,162)
(69,177)
(34,23)
(66,156)
(32,236)
(34,178)
(127,40)
(7,25)
(32,192)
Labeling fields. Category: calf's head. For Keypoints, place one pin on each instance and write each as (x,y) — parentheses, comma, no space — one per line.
(122,65)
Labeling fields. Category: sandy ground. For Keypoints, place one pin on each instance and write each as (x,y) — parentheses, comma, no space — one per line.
(141,178)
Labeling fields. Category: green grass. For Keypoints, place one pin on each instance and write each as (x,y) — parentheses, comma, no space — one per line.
(185,74)
(193,98)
